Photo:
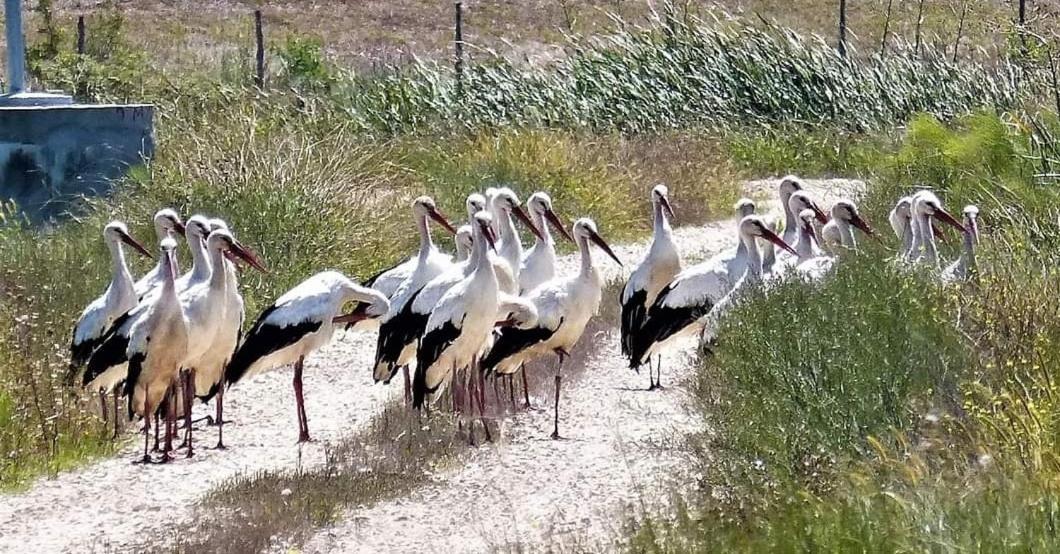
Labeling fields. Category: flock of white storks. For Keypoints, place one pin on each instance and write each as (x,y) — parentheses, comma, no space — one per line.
(447,323)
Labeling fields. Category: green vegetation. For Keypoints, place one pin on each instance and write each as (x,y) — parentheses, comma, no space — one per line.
(880,410)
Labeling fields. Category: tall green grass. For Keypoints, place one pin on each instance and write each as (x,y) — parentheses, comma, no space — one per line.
(880,410)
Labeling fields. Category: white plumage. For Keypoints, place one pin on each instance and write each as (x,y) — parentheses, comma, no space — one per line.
(964,267)
(167,224)
(539,262)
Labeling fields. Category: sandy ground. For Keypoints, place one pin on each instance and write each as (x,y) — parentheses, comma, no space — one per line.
(524,490)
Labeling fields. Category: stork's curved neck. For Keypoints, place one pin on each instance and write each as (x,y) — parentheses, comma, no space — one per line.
(218,277)
(169,286)
(587,267)
(484,271)
(426,245)
(754,257)
(846,233)
(971,237)
(662,232)
(542,225)
(511,248)
(927,238)
(200,263)
(790,221)
(907,235)
(804,245)
(120,276)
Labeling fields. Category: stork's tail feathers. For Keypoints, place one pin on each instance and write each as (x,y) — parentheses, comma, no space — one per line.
(419,388)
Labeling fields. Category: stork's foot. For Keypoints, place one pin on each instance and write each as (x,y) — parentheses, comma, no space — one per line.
(220,446)
(556,436)
(304,437)
(145,459)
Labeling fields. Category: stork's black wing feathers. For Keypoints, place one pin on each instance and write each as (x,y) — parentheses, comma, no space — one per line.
(400,331)
(263,339)
(430,349)
(513,340)
(633,312)
(136,366)
(79,355)
(110,352)
(661,323)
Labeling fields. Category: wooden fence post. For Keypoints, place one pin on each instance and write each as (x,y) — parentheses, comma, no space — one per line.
(842,46)
(886,28)
(80,34)
(919,23)
(259,37)
(1022,29)
(458,63)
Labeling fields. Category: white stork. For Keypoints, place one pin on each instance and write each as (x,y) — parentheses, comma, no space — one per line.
(158,344)
(504,204)
(900,219)
(789,185)
(395,327)
(100,314)
(167,224)
(462,243)
(838,233)
(751,229)
(539,263)
(213,330)
(389,280)
(964,267)
(299,322)
(680,307)
(659,267)
(564,307)
(798,202)
(119,297)
(461,322)
(926,207)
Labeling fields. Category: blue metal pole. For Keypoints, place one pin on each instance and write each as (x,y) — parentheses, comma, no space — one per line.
(16,47)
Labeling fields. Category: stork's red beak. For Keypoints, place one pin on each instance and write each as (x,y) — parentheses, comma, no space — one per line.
(860,223)
(352,317)
(248,256)
(666,206)
(945,216)
(554,220)
(127,239)
(773,238)
(820,215)
(440,218)
(596,238)
(521,214)
(491,239)
(180,228)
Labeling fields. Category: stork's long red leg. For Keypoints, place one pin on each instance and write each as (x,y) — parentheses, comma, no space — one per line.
(103,407)
(303,424)
(147,432)
(115,415)
(526,387)
(481,407)
(189,392)
(171,424)
(408,384)
(158,425)
(559,380)
(220,421)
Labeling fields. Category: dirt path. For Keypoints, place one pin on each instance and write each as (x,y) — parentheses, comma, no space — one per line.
(524,489)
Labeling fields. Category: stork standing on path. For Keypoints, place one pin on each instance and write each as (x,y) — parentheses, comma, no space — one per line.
(167,225)
(298,323)
(682,304)
(460,324)
(100,314)
(659,267)
(539,263)
(392,343)
(158,344)
(564,307)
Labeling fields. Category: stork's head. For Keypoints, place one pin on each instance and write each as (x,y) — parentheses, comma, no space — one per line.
(505,200)
(800,200)
(218,223)
(744,207)
(463,242)
(424,206)
(904,207)
(167,221)
(475,203)
(168,253)
(541,203)
(971,221)
(116,232)
(197,227)
(754,226)
(847,211)
(927,204)
(789,185)
(585,230)
(660,195)
(223,241)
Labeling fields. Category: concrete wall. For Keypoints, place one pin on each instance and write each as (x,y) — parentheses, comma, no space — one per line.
(50,155)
